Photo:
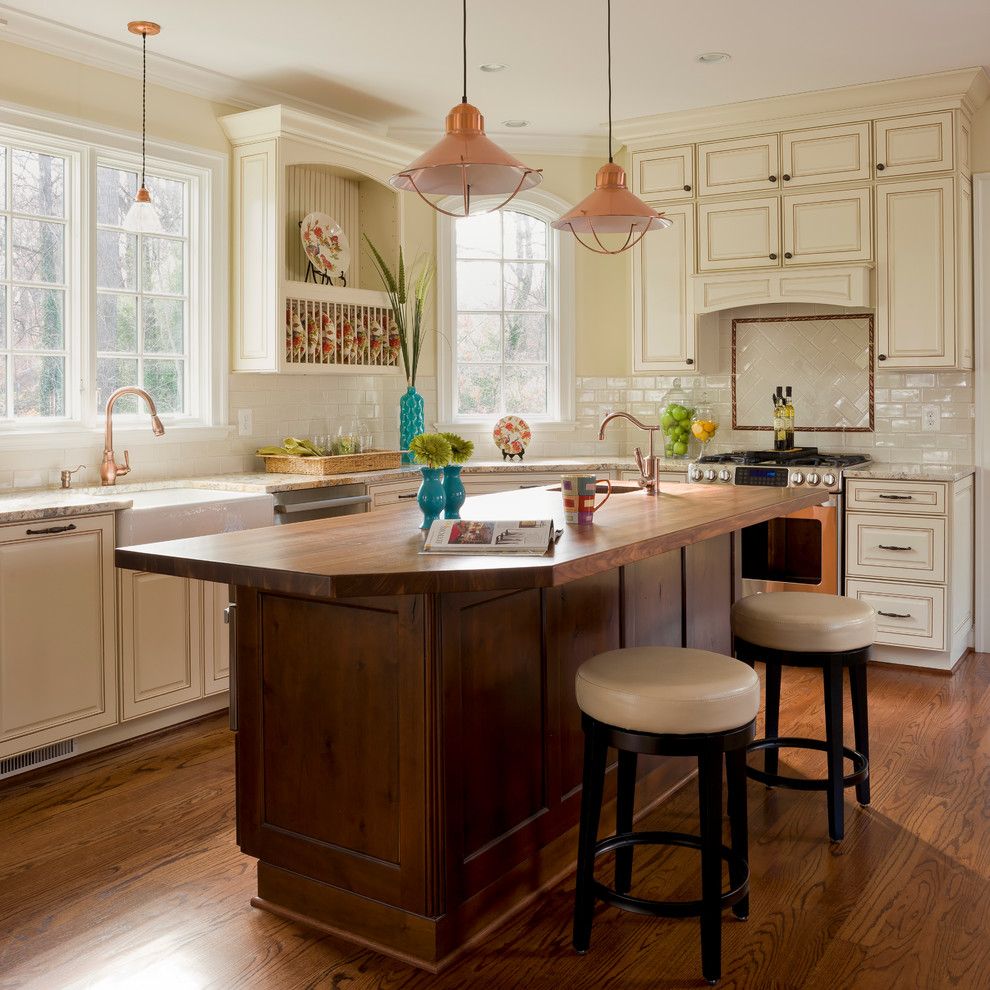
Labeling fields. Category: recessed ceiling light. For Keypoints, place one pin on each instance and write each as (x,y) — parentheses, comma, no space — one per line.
(515,123)
(712,58)
(493,67)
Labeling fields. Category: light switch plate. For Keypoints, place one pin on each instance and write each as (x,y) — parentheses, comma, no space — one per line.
(930,419)
(245,422)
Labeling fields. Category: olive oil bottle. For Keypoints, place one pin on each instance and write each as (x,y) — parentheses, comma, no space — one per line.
(788,419)
(779,421)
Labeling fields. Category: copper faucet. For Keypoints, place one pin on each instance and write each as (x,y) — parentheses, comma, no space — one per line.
(110,469)
(649,467)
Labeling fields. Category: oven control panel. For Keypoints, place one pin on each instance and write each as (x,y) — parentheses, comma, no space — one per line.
(762,475)
(772,477)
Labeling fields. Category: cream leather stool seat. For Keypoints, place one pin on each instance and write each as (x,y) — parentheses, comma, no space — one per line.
(668,690)
(804,623)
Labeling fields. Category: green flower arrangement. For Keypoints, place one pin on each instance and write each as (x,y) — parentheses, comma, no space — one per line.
(460,449)
(431,449)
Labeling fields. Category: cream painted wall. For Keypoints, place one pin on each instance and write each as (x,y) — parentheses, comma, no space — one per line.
(981,140)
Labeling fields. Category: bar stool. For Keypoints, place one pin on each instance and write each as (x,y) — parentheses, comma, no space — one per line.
(797,629)
(666,701)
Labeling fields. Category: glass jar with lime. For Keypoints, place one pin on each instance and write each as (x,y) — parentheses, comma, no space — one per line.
(675,422)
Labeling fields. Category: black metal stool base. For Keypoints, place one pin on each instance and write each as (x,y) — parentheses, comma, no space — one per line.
(669,909)
(861,766)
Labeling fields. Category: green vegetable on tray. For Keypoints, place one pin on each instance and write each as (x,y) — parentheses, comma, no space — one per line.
(292,447)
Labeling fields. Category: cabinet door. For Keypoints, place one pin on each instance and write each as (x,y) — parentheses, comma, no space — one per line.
(737,166)
(824,228)
(916,273)
(663,304)
(666,175)
(914,145)
(58,657)
(825,154)
(161,641)
(216,638)
(739,234)
(964,282)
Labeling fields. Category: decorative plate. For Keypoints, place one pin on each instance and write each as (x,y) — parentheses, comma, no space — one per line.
(512,435)
(325,244)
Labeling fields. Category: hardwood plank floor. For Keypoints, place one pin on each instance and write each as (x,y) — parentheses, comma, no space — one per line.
(121,871)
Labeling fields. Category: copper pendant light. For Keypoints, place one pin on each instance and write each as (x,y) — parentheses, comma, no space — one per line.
(611,208)
(465,162)
(142,218)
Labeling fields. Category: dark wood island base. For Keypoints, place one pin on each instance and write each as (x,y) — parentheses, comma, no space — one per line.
(409,760)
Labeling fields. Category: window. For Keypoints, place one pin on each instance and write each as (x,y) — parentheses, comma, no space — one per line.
(85,306)
(34,283)
(506,280)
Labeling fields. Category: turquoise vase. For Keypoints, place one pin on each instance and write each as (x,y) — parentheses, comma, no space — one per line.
(431,496)
(412,421)
(454,489)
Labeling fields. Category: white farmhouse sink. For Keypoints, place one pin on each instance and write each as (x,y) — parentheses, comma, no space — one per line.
(180,513)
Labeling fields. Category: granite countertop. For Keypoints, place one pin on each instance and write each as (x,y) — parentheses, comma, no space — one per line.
(49,503)
(910,472)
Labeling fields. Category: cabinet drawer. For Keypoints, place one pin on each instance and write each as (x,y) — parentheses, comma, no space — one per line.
(394,493)
(907,614)
(921,497)
(896,547)
(740,165)
(666,174)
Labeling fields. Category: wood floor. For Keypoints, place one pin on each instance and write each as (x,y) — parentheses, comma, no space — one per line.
(121,871)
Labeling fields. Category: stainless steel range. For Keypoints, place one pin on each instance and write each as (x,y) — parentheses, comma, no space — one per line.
(798,552)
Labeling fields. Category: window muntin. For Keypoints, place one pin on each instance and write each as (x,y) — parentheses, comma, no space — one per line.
(34,283)
(503,312)
(142,293)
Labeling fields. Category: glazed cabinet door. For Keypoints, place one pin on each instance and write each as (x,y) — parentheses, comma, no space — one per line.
(741,165)
(216,638)
(664,324)
(58,656)
(816,155)
(666,175)
(914,145)
(739,234)
(161,641)
(916,273)
(825,228)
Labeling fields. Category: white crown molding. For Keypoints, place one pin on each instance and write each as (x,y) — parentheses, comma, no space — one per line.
(966,88)
(570,145)
(123,58)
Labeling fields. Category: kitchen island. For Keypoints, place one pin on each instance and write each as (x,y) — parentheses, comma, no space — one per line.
(409,747)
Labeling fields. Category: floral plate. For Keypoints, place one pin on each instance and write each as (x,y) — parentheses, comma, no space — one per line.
(325,244)
(512,435)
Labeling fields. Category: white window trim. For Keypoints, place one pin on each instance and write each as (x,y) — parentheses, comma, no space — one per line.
(208,170)
(547,207)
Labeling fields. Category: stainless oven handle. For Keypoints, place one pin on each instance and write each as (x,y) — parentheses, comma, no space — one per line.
(329,503)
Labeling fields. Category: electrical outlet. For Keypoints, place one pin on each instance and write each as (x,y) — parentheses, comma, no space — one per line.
(930,419)
(245,424)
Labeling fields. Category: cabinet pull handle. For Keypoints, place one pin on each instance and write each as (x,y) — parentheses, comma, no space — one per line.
(897,498)
(895,615)
(786,178)
(530,486)
(772,178)
(229,619)
(880,167)
(51,530)
(881,357)
(410,495)
(884,546)
(687,188)
(773,257)
(787,254)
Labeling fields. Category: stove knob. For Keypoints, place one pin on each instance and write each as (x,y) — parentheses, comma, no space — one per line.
(695,474)
(829,479)
(710,474)
(813,478)
(797,478)
(725,475)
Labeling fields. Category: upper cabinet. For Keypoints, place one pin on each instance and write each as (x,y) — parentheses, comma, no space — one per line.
(738,234)
(817,155)
(666,175)
(914,145)
(749,164)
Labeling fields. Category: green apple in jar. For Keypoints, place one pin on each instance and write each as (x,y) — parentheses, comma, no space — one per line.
(675,424)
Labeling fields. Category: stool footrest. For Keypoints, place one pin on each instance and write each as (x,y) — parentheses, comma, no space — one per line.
(861,766)
(666,909)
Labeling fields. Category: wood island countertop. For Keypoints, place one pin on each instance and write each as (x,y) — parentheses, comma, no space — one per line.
(379,553)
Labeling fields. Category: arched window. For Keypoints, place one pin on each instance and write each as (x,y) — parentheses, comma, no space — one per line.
(507,297)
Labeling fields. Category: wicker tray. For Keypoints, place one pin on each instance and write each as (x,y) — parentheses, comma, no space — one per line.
(371,460)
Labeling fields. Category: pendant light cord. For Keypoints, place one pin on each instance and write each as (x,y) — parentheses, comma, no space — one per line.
(144,99)
(608,37)
(464,51)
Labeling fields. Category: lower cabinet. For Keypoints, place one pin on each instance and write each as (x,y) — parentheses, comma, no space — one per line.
(58,656)
(216,638)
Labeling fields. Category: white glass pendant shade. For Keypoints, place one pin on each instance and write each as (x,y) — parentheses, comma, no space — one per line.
(142,217)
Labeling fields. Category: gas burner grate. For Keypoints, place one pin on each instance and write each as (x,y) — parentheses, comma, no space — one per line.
(798,457)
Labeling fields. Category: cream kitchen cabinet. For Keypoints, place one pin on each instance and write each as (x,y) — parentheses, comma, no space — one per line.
(665,175)
(739,234)
(58,656)
(827,228)
(748,164)
(216,638)
(664,324)
(924,273)
(819,155)
(914,144)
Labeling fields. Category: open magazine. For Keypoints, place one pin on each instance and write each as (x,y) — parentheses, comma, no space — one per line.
(528,536)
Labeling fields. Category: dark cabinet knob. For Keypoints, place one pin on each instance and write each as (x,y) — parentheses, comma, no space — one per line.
(881,357)
(787,254)
(687,188)
(773,257)
(689,360)
(786,178)
(880,168)
(772,178)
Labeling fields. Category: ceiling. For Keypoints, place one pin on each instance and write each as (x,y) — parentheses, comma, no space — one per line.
(396,63)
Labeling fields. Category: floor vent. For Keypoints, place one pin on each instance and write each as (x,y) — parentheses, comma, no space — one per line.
(43,754)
